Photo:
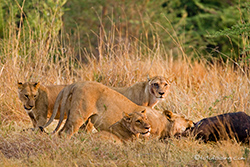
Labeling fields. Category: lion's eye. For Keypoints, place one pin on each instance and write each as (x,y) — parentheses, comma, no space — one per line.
(27,96)
(138,121)
(166,84)
(156,84)
(35,96)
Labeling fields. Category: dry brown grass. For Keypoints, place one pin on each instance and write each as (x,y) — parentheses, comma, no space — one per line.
(199,89)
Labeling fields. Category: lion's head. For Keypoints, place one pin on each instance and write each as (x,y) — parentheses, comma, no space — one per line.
(28,93)
(137,123)
(158,86)
(179,123)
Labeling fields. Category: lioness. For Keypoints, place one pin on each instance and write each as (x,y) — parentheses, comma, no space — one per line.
(147,93)
(38,100)
(104,106)
(126,129)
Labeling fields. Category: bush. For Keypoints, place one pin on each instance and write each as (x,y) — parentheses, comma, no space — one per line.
(185,23)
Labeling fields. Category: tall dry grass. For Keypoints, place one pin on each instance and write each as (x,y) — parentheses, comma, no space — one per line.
(199,89)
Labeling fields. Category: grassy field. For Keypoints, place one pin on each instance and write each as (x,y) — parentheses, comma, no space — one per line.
(199,89)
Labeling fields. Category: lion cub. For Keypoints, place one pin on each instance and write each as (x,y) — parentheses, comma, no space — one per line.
(38,100)
(126,129)
(147,93)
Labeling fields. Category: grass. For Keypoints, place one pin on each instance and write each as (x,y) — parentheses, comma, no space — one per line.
(199,89)
(29,149)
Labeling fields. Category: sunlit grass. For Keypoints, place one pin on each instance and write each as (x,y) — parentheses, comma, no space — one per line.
(199,89)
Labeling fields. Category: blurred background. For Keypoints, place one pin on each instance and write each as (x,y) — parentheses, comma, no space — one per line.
(199,28)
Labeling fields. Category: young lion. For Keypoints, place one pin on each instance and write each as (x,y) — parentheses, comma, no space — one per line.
(104,106)
(38,100)
(147,93)
(126,129)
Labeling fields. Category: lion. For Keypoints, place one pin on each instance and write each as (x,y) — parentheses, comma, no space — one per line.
(103,106)
(38,101)
(127,129)
(147,93)
(179,124)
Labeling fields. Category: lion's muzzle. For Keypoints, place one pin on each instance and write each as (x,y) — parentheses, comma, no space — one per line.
(26,108)
(147,133)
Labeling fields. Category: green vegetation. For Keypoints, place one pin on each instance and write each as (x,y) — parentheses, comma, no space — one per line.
(202,46)
(210,28)
(189,24)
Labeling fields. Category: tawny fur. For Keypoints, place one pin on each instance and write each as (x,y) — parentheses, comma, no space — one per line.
(104,106)
(147,93)
(127,129)
(38,101)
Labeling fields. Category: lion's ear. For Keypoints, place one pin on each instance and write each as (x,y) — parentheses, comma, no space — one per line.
(190,123)
(36,85)
(168,114)
(170,79)
(124,114)
(126,117)
(19,85)
(148,78)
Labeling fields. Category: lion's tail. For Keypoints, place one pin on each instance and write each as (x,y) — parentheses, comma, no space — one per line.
(64,102)
(55,109)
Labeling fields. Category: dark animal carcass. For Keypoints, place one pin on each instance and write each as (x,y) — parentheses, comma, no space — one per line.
(222,127)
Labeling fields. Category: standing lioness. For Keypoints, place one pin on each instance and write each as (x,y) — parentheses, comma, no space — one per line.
(38,100)
(104,107)
(147,93)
